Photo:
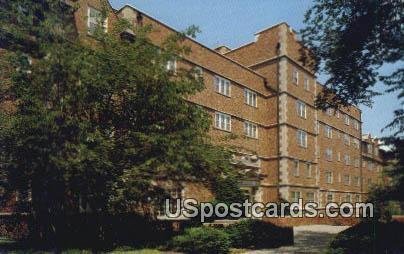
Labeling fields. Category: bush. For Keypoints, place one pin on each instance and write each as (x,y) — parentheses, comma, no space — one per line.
(258,234)
(369,237)
(202,240)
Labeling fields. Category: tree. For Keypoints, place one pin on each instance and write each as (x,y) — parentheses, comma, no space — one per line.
(98,128)
(351,40)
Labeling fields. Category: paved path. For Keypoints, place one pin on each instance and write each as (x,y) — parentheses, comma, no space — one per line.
(308,240)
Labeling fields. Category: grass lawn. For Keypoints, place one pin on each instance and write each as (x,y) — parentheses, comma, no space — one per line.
(12,247)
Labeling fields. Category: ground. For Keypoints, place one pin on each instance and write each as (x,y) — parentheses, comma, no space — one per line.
(308,240)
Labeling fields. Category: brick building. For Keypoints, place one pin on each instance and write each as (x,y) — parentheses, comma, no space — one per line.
(264,93)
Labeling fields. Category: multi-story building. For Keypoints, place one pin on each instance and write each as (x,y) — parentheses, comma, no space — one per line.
(264,92)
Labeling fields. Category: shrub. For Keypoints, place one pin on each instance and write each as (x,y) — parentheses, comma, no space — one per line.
(369,237)
(258,234)
(202,240)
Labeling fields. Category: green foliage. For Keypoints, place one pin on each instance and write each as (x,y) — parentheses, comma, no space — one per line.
(351,40)
(202,240)
(370,237)
(96,128)
(251,233)
(228,190)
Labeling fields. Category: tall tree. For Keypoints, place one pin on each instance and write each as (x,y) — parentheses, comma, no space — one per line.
(351,40)
(98,128)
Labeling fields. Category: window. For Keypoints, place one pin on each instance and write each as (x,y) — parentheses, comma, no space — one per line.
(250,130)
(347,179)
(295,76)
(339,156)
(328,154)
(355,124)
(348,198)
(222,86)
(370,165)
(328,176)
(329,111)
(171,65)
(306,83)
(330,198)
(198,72)
(356,143)
(295,196)
(347,159)
(250,98)
(223,121)
(309,172)
(302,138)
(364,164)
(328,131)
(301,109)
(347,118)
(337,113)
(357,198)
(94,19)
(346,139)
(310,196)
(296,168)
(357,181)
(356,163)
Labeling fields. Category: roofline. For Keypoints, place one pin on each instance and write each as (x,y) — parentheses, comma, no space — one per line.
(239,47)
(271,27)
(193,40)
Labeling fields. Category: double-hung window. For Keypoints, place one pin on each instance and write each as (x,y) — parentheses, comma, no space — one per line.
(310,196)
(301,109)
(223,121)
(222,86)
(346,139)
(347,119)
(295,196)
(295,168)
(301,138)
(328,177)
(250,130)
(347,159)
(295,76)
(328,154)
(347,179)
(328,131)
(306,83)
(250,97)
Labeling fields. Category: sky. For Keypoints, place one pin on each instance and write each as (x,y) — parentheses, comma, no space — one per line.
(234,22)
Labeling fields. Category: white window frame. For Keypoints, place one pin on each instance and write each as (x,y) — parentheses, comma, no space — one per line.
(198,72)
(329,177)
(295,76)
(301,138)
(309,170)
(223,121)
(301,109)
(296,168)
(250,130)
(347,159)
(310,199)
(347,140)
(328,154)
(171,65)
(347,119)
(306,83)
(92,21)
(250,98)
(347,180)
(295,196)
(328,131)
(222,86)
